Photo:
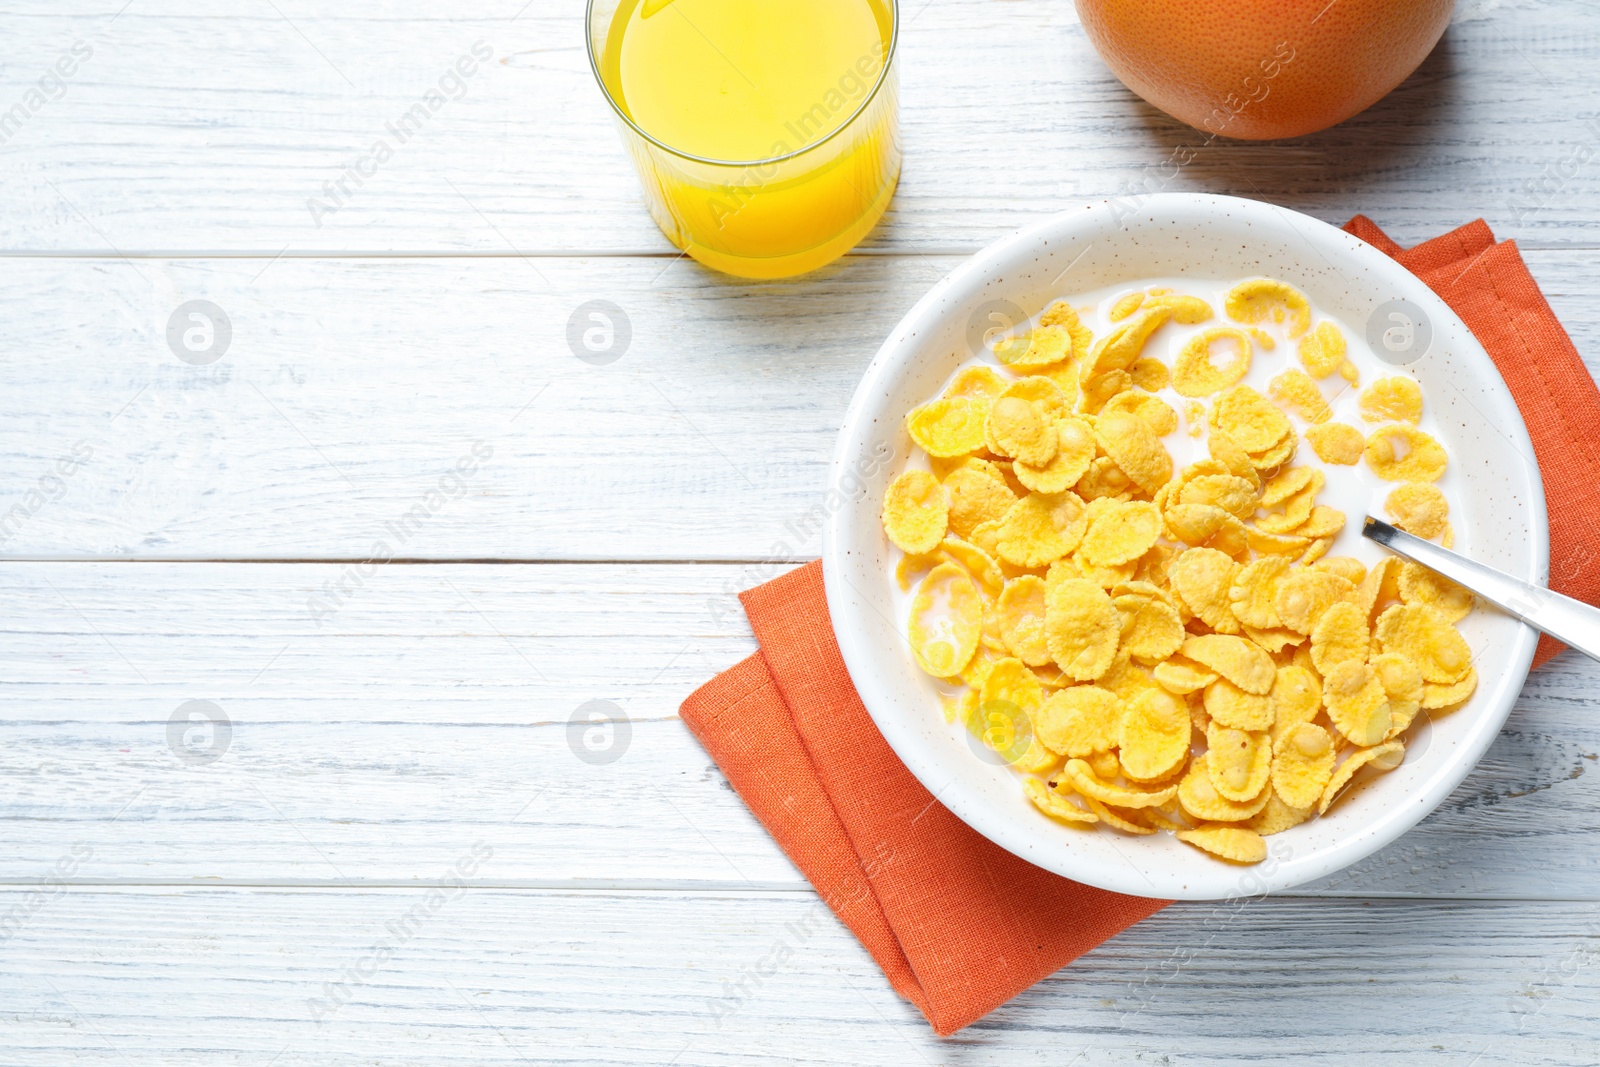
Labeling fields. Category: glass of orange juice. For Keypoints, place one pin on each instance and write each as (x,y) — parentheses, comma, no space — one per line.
(765,131)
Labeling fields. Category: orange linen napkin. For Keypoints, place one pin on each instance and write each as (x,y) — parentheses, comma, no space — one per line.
(1489,286)
(958,924)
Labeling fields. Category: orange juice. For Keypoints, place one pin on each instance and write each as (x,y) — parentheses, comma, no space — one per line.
(764,130)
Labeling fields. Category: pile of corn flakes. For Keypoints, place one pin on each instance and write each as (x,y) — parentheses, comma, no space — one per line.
(1157,648)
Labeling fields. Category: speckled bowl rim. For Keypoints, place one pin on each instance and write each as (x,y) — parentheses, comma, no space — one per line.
(920,352)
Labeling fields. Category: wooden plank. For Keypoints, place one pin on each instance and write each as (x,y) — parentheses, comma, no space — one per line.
(434,708)
(488,977)
(183,120)
(351,388)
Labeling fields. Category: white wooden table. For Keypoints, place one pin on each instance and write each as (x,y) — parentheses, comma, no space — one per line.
(203,541)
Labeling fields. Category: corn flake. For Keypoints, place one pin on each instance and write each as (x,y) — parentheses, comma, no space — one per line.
(1126,821)
(1094,393)
(1436,695)
(1295,390)
(1081,777)
(1153,736)
(1357,703)
(1103,480)
(975,497)
(1336,442)
(1424,636)
(1322,522)
(1022,430)
(1133,446)
(1384,757)
(1296,697)
(1061,313)
(1402,453)
(1182,677)
(1302,764)
(1278,454)
(1235,844)
(1285,484)
(915,512)
(1105,766)
(1296,509)
(1237,660)
(1151,628)
(1037,348)
(1195,373)
(1419,585)
(978,563)
(1079,721)
(1418,508)
(1020,610)
(1126,305)
(1202,578)
(976,383)
(1121,532)
(946,619)
(1402,683)
(1238,761)
(1305,594)
(1231,706)
(1234,459)
(1277,816)
(909,567)
(949,426)
(1254,589)
(1381,584)
(1152,409)
(1196,524)
(986,535)
(1082,628)
(1151,375)
(1106,577)
(1316,550)
(1013,691)
(1260,299)
(1040,528)
(1187,310)
(1039,389)
(1275,640)
(1117,350)
(1235,539)
(1250,420)
(1075,448)
(1323,350)
(1349,568)
(1200,800)
(1393,399)
(1338,636)
(1229,492)
(1054,804)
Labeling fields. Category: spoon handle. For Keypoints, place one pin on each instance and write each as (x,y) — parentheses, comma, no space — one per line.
(1569,621)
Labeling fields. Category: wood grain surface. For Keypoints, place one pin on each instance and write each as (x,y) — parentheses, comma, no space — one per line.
(173,532)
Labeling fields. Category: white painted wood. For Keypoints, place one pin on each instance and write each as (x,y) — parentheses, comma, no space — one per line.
(433,708)
(429,712)
(490,977)
(194,130)
(351,387)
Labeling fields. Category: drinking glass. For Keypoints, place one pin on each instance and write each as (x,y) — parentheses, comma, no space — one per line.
(809,201)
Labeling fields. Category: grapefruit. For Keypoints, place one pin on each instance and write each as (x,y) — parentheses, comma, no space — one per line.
(1263,69)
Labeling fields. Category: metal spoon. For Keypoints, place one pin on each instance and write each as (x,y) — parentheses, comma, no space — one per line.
(1569,621)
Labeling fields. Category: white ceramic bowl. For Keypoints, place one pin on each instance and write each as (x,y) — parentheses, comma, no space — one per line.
(1498,501)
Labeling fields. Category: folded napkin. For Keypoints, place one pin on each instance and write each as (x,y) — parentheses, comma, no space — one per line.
(1489,286)
(958,924)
